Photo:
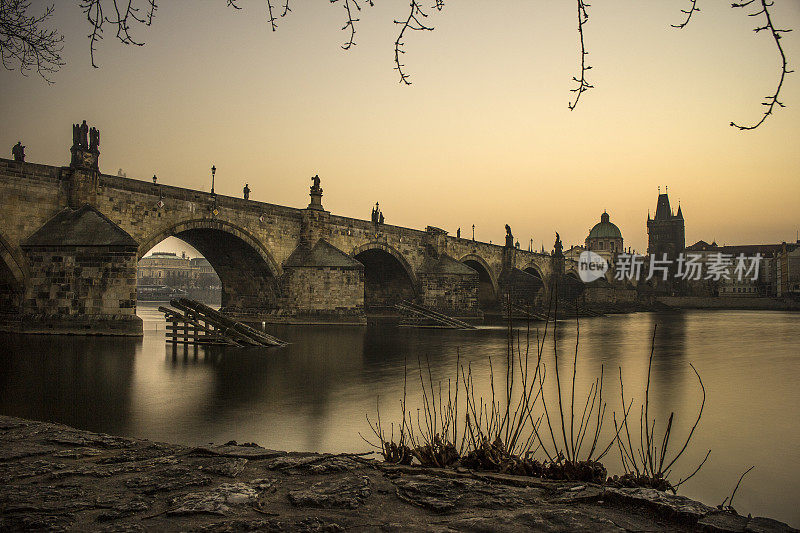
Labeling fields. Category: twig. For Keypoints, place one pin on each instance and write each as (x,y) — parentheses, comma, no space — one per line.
(123,20)
(730,499)
(770,101)
(271,18)
(689,12)
(25,44)
(351,22)
(583,84)
(412,22)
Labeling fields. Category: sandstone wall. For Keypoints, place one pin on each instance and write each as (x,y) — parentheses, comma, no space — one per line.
(81,288)
(323,291)
(450,292)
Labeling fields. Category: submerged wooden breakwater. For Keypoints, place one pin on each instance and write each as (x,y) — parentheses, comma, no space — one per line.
(192,322)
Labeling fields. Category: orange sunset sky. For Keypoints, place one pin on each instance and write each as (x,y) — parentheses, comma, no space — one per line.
(483,136)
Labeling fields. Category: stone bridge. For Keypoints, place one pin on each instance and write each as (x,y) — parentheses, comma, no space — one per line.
(70,239)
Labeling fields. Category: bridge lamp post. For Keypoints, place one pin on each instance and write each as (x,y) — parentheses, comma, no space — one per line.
(213,172)
(473,233)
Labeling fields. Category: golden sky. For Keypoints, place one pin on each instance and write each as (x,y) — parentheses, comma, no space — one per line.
(483,136)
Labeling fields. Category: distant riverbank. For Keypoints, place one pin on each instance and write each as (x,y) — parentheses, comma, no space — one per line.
(60,478)
(722,302)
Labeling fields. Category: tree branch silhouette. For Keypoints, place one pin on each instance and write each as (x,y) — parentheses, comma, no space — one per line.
(772,100)
(412,22)
(271,18)
(351,22)
(24,41)
(583,84)
(123,19)
(688,12)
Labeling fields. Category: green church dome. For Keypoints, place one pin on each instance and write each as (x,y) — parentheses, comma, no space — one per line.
(605,229)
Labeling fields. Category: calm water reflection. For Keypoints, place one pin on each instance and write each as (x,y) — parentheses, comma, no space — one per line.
(315,393)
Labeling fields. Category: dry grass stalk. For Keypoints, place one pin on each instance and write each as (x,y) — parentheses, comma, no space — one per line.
(506,431)
(648,464)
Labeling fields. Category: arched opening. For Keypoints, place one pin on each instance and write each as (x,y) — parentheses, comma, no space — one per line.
(536,273)
(247,276)
(487,294)
(571,287)
(174,268)
(536,285)
(387,280)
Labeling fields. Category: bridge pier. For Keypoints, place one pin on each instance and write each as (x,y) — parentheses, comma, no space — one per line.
(446,284)
(320,281)
(82,277)
(80,266)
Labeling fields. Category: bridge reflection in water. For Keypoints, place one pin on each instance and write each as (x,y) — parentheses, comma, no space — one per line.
(314,394)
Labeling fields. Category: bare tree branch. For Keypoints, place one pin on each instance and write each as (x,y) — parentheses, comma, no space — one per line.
(688,12)
(272,18)
(25,43)
(772,100)
(351,22)
(123,19)
(412,22)
(583,83)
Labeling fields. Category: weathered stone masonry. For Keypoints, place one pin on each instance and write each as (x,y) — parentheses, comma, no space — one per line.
(262,252)
(82,276)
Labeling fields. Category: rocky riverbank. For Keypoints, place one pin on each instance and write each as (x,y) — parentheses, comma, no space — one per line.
(57,478)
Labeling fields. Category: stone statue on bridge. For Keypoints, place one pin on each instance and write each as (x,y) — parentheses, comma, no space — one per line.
(509,237)
(316,194)
(18,151)
(558,248)
(246,191)
(94,139)
(377,216)
(76,136)
(80,134)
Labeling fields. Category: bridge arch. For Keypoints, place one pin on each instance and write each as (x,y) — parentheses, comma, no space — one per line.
(248,272)
(211,224)
(487,281)
(571,286)
(388,277)
(535,270)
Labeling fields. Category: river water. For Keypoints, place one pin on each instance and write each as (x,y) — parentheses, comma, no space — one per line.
(315,393)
